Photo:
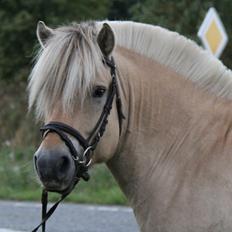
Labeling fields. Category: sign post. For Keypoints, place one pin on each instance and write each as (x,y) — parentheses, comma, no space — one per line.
(212,33)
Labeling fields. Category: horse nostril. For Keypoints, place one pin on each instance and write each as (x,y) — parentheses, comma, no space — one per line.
(64,164)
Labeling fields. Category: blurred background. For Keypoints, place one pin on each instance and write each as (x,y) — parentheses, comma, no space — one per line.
(19,134)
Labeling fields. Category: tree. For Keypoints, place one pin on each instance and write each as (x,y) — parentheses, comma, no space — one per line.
(120,9)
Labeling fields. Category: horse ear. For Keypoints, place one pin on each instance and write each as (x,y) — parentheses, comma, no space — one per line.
(106,40)
(43,33)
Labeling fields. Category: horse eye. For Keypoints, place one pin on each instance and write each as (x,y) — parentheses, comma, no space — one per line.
(99,91)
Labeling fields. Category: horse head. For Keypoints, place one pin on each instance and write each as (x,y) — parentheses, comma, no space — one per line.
(73,88)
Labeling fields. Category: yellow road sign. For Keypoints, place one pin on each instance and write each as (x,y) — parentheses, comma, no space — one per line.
(212,33)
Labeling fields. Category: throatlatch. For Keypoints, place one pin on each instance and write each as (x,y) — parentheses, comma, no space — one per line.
(82,161)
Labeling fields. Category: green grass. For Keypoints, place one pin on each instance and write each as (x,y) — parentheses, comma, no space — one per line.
(18,181)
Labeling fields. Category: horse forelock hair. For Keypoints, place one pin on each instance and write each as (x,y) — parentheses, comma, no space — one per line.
(176,52)
(65,69)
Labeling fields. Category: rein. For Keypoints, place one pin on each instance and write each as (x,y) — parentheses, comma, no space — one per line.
(82,161)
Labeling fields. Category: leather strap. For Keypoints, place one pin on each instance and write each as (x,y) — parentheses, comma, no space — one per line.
(47,215)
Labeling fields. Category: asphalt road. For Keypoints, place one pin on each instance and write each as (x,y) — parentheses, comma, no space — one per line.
(24,216)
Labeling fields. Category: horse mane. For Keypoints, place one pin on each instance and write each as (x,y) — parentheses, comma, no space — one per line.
(176,52)
(64,69)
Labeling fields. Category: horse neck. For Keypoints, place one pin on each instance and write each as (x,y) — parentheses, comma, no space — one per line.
(161,109)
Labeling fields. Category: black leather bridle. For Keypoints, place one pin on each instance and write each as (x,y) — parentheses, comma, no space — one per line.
(83,160)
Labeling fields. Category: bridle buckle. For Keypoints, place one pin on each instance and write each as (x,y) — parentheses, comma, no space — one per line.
(83,159)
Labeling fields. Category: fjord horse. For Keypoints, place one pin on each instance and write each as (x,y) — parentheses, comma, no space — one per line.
(169,141)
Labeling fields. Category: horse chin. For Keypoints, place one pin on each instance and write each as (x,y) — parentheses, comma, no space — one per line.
(59,187)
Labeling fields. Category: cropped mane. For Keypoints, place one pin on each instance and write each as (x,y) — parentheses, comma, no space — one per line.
(177,52)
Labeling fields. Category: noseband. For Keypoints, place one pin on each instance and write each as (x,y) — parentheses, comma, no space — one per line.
(82,160)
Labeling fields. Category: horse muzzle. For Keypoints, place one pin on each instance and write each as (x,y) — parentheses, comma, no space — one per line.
(55,168)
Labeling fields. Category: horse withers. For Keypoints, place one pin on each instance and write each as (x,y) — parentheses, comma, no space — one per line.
(168,138)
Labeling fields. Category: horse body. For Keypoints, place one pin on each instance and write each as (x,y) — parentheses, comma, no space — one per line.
(174,164)
(173,157)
